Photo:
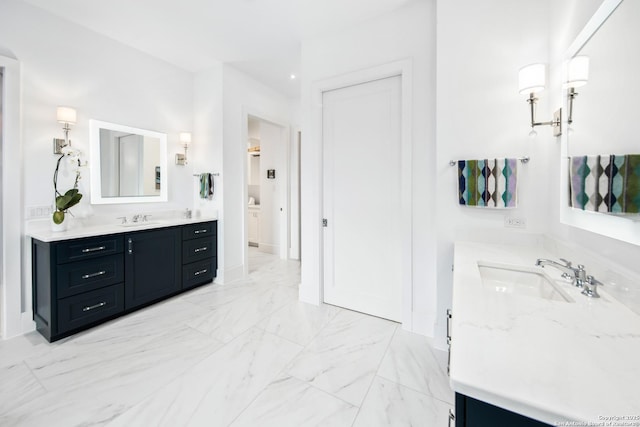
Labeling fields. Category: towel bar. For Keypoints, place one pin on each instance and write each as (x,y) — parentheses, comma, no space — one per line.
(523,160)
(214,174)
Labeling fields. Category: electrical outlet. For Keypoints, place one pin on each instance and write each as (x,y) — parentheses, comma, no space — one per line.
(34,212)
(514,222)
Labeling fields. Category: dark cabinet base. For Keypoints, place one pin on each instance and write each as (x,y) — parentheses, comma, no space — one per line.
(476,413)
(80,283)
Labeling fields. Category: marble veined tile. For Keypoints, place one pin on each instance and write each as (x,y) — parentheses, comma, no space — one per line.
(215,296)
(391,404)
(95,368)
(291,402)
(299,322)
(344,356)
(227,322)
(16,349)
(17,387)
(410,361)
(214,392)
(96,392)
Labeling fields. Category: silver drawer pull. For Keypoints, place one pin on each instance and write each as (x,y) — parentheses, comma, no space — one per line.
(200,249)
(98,248)
(197,273)
(89,276)
(200,231)
(92,307)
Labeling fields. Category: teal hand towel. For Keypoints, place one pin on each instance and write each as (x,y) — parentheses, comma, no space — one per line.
(488,183)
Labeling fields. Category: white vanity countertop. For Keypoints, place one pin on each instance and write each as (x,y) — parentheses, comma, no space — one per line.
(76,231)
(549,360)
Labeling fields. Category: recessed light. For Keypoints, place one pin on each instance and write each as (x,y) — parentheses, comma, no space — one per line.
(292,76)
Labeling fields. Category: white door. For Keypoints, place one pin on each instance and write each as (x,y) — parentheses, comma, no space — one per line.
(362,242)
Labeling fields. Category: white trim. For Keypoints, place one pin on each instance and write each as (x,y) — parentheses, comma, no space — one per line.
(616,227)
(12,223)
(286,221)
(232,274)
(599,17)
(311,289)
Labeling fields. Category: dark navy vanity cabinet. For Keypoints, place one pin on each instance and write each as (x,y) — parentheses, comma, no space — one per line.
(476,413)
(80,283)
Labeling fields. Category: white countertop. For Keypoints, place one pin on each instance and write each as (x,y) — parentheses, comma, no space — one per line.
(549,360)
(76,230)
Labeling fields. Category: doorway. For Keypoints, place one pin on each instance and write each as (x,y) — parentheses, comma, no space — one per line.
(362,166)
(267,189)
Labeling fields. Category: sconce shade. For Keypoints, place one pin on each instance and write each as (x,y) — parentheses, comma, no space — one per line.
(577,71)
(66,115)
(531,78)
(185,138)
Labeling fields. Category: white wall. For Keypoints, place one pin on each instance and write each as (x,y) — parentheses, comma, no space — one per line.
(408,33)
(205,152)
(480,114)
(65,64)
(242,96)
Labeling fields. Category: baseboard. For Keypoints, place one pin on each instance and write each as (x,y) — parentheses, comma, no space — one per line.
(270,249)
(233,274)
(27,323)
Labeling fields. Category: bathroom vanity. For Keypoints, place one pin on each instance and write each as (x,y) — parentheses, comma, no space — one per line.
(529,349)
(86,277)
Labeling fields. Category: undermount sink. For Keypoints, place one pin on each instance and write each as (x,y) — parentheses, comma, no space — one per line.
(137,224)
(520,280)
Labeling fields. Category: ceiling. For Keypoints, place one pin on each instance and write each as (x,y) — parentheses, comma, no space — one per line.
(260,37)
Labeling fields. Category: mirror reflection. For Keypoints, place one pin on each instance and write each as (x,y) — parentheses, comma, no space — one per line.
(604,116)
(128,165)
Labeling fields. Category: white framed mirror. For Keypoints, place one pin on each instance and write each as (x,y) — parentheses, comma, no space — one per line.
(604,114)
(128,165)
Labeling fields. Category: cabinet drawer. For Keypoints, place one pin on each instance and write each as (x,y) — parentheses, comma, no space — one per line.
(196,231)
(195,250)
(198,273)
(83,309)
(77,277)
(76,250)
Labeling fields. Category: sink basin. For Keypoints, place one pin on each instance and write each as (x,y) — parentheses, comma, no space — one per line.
(520,280)
(138,224)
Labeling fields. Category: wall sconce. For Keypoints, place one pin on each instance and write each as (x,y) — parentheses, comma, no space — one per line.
(577,75)
(531,80)
(66,116)
(185,140)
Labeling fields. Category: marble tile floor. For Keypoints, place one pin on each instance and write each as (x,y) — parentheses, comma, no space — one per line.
(242,354)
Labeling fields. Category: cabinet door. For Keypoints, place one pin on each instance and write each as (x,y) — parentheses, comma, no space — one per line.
(152,265)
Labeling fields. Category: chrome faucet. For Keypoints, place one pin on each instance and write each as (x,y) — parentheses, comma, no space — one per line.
(590,287)
(577,275)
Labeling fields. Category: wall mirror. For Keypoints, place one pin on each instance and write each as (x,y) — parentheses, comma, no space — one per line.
(128,165)
(604,116)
